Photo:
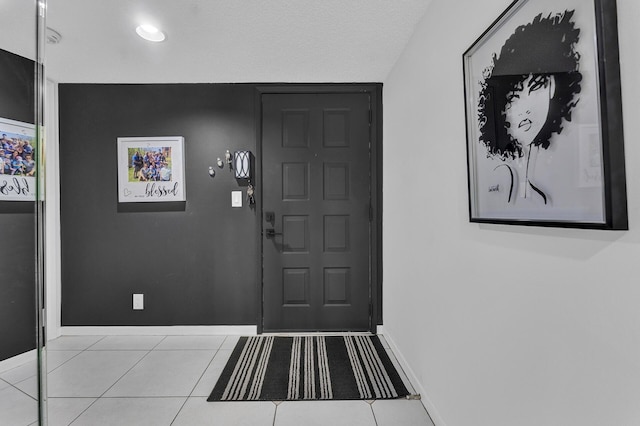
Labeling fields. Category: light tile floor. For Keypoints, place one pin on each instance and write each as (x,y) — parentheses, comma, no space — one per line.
(165,380)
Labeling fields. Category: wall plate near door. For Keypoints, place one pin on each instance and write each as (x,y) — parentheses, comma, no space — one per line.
(236,198)
(138,302)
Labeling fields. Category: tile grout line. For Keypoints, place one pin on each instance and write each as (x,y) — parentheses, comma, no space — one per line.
(190,395)
(114,383)
(79,352)
(96,342)
(20,390)
(373,412)
(204,371)
(125,373)
(83,411)
(197,381)
(96,399)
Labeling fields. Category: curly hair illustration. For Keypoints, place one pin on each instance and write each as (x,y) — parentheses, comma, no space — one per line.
(541,51)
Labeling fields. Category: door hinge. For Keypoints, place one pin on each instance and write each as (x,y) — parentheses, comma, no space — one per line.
(370,116)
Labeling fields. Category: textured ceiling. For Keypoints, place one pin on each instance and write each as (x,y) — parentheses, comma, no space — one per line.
(229,40)
(18,23)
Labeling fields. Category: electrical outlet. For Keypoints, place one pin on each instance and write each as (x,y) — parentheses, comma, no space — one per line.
(138,302)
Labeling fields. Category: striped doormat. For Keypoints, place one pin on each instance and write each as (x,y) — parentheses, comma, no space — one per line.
(269,368)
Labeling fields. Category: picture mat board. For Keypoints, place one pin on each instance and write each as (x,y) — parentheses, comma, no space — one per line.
(131,191)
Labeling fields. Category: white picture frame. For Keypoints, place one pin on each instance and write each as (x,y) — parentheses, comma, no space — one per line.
(18,173)
(157,176)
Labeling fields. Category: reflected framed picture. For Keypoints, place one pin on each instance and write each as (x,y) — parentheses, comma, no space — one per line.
(18,165)
(544,117)
(151,169)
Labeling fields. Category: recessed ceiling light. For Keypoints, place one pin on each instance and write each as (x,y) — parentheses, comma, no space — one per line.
(149,32)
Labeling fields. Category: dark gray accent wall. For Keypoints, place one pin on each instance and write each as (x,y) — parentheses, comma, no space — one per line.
(17,87)
(17,222)
(195,261)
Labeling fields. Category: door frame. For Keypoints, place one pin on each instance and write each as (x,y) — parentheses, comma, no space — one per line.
(374,90)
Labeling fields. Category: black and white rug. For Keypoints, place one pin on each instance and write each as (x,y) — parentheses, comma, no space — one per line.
(270,368)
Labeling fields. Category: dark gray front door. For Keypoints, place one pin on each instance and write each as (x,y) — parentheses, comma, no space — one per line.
(316,212)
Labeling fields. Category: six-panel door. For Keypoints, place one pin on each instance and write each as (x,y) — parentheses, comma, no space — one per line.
(316,208)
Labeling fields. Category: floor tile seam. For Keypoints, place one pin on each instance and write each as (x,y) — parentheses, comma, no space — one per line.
(147,349)
(186,395)
(203,373)
(71,397)
(373,412)
(35,376)
(158,344)
(65,349)
(228,338)
(369,405)
(83,411)
(275,413)
(196,335)
(82,349)
(125,373)
(145,397)
(6,373)
(179,411)
(96,342)
(73,357)
(148,396)
(11,385)
(184,349)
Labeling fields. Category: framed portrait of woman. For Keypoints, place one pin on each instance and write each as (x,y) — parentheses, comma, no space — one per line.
(544,117)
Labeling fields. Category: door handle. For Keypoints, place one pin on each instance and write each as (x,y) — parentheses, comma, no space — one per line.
(272,232)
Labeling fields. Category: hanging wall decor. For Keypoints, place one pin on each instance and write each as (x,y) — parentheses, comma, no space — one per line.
(18,166)
(151,169)
(242,164)
(544,117)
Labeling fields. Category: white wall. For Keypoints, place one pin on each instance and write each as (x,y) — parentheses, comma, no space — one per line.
(501,325)
(52,214)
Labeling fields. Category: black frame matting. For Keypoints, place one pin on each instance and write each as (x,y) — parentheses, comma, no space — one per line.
(614,203)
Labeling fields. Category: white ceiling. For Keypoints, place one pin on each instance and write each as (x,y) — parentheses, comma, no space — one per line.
(229,40)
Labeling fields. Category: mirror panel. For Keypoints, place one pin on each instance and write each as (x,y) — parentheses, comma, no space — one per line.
(20,285)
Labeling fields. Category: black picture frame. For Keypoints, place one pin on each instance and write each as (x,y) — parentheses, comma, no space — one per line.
(545,143)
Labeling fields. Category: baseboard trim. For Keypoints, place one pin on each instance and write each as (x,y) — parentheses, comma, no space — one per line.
(424,398)
(18,360)
(174,330)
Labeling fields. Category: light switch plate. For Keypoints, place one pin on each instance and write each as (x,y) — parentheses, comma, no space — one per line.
(236,198)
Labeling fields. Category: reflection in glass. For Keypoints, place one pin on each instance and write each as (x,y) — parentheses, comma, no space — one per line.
(21,284)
